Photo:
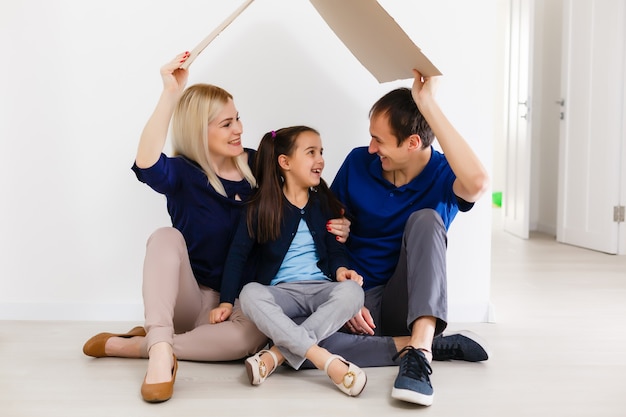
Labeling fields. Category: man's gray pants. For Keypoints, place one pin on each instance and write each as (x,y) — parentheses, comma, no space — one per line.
(417,288)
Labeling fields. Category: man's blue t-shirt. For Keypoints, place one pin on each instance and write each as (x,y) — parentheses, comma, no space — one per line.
(379,210)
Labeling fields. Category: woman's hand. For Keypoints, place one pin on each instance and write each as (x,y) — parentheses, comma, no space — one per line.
(344,274)
(174,77)
(155,131)
(220,313)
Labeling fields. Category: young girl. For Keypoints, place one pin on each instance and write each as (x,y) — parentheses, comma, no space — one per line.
(301,270)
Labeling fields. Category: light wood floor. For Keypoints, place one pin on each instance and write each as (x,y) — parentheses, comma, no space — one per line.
(558,349)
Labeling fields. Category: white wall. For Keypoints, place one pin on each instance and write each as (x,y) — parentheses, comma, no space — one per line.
(79,80)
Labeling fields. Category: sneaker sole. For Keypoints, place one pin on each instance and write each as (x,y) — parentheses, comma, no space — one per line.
(411,396)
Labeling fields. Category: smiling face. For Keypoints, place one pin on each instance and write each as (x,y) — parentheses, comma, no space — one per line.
(304,166)
(385,144)
(224,132)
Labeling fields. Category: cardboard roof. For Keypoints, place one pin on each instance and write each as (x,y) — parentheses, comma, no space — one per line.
(366,29)
(193,54)
(375,39)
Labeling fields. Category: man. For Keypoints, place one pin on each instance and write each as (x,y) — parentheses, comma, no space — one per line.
(401,196)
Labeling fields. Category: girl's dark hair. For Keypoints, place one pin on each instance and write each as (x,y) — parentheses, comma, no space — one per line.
(265,207)
(405,119)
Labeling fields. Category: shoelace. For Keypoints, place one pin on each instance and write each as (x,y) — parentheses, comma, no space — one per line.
(447,350)
(413,364)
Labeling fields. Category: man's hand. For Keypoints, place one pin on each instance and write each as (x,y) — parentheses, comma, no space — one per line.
(424,89)
(362,323)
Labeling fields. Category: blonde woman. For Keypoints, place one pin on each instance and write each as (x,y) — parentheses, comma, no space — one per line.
(206,183)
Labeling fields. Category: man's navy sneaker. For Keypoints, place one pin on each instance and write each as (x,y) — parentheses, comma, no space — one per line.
(462,346)
(413,382)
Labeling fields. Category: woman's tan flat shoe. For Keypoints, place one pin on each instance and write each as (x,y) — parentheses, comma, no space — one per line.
(162,391)
(95,346)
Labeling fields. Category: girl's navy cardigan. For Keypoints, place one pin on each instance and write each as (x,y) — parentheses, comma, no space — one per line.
(269,256)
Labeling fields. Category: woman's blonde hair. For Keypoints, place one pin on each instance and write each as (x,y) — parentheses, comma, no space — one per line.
(197,107)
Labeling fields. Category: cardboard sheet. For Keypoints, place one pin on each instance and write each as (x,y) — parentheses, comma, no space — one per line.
(209,38)
(368,31)
(375,39)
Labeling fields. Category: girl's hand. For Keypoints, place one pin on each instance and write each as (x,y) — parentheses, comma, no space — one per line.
(174,77)
(339,227)
(344,274)
(220,313)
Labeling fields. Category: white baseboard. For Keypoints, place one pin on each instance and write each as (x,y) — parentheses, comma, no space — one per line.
(548,229)
(69,311)
(471,313)
(467,313)
(491,315)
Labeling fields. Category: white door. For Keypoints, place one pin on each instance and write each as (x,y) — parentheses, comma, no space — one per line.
(516,193)
(591,126)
